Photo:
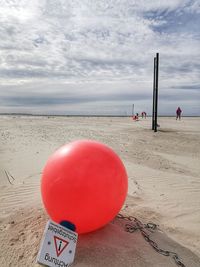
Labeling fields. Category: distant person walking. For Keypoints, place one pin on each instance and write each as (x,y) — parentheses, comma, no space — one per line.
(178,113)
(144,114)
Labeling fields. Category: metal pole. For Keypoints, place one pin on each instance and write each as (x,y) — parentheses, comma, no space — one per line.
(153,107)
(156,93)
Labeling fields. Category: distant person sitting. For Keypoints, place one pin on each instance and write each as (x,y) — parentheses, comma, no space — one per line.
(136,117)
(178,113)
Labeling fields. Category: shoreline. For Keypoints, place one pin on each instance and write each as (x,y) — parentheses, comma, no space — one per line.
(88,116)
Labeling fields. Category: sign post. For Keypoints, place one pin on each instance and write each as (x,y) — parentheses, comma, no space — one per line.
(58,246)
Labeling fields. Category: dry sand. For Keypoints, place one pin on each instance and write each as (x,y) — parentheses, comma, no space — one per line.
(164,188)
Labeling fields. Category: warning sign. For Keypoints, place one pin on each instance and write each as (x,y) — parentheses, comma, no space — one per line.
(58,246)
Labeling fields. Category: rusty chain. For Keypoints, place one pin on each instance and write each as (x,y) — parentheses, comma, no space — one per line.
(134,224)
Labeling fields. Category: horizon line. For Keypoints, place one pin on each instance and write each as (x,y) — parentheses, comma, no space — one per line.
(81,115)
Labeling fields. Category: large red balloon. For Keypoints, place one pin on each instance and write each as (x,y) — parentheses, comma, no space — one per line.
(84,183)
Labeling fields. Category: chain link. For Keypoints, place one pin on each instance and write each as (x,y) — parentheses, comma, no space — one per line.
(133,224)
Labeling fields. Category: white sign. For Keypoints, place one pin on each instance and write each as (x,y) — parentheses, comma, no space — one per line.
(58,246)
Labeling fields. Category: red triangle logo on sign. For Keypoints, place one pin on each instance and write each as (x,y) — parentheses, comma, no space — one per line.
(60,245)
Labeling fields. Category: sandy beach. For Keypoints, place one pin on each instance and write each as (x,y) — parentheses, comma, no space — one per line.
(164,188)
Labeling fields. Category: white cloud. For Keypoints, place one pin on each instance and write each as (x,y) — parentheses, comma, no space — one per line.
(93,48)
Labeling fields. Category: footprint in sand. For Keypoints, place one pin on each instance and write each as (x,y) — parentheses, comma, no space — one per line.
(136,183)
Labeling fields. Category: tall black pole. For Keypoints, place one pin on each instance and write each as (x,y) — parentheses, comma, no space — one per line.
(154,83)
(156,93)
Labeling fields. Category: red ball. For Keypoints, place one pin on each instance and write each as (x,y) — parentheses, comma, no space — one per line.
(85,184)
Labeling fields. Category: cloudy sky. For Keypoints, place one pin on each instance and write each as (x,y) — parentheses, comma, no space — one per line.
(96,56)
